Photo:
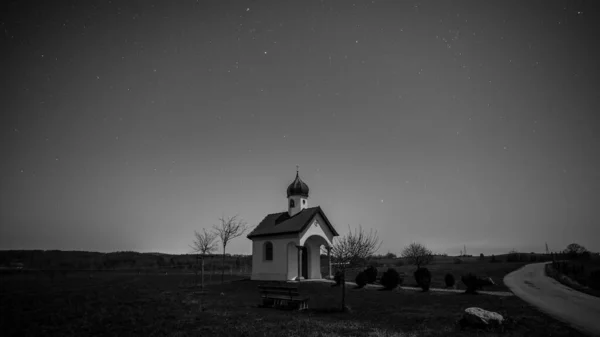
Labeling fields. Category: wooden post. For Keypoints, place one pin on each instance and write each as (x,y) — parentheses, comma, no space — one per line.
(329,262)
(202,275)
(343,288)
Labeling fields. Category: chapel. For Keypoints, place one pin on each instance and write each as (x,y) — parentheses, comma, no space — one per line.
(287,245)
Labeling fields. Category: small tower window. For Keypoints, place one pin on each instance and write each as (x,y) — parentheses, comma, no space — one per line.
(304,202)
(292,204)
(269,251)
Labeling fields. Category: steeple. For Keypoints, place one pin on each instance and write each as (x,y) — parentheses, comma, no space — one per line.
(297,195)
(297,187)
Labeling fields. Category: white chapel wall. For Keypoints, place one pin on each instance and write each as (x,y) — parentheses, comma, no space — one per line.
(277,269)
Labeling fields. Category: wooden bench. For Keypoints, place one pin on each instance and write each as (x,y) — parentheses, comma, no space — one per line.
(281,295)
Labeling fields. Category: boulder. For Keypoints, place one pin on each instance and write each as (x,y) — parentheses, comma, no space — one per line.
(481,318)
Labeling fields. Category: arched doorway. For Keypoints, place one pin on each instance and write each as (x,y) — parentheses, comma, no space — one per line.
(292,261)
(312,264)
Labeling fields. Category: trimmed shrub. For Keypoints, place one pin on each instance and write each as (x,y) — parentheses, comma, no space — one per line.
(371,274)
(338,277)
(391,279)
(470,281)
(399,263)
(457,260)
(361,279)
(474,283)
(449,279)
(423,278)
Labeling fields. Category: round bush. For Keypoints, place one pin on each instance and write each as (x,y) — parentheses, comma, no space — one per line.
(391,279)
(338,277)
(470,281)
(423,278)
(361,279)
(371,274)
(449,279)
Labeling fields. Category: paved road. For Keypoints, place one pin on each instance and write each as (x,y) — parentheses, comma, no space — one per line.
(580,310)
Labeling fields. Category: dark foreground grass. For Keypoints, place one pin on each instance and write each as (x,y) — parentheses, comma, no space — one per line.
(161,305)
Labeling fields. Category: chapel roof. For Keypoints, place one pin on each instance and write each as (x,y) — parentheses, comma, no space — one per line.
(282,223)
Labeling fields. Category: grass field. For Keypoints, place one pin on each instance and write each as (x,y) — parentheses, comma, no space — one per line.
(583,276)
(128,304)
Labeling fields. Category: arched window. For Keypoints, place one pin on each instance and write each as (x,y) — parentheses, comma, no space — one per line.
(268,251)
(292,204)
(304,202)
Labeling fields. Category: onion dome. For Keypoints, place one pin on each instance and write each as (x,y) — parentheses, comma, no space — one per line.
(297,187)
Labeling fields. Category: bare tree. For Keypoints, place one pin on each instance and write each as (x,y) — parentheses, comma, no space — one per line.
(351,249)
(204,243)
(575,250)
(417,254)
(229,229)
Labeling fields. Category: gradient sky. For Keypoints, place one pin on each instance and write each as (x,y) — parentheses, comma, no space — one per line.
(128,125)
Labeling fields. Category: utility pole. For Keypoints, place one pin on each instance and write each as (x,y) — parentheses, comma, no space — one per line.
(547,252)
(465,250)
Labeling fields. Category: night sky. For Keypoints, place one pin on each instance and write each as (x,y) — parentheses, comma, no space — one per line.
(128,125)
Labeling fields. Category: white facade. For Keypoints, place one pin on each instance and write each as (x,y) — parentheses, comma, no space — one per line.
(288,251)
(292,251)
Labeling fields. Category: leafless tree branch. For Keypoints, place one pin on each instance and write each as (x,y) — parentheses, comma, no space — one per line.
(355,247)
(351,249)
(229,229)
(417,254)
(204,242)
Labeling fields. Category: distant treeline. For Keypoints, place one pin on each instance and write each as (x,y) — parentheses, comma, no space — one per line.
(82,260)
